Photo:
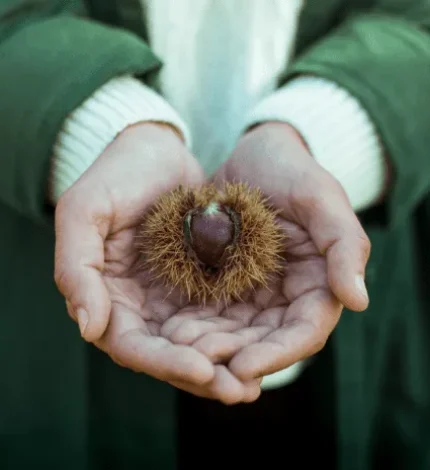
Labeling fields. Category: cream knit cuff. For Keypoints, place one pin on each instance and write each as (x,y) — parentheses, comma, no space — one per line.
(86,133)
(338,131)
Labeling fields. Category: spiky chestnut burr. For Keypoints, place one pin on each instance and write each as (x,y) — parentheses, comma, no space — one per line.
(212,243)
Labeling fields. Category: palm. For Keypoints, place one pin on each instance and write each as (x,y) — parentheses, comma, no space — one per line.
(137,310)
(153,328)
(149,329)
(271,329)
(325,256)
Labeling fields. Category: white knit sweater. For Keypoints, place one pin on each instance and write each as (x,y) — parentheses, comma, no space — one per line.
(222,59)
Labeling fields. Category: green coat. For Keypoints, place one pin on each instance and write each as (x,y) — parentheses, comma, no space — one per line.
(63,404)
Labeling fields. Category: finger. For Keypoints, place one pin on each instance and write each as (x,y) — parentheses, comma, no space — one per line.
(184,330)
(307,325)
(161,359)
(129,343)
(220,347)
(320,205)
(346,265)
(338,234)
(79,259)
(225,387)
(194,174)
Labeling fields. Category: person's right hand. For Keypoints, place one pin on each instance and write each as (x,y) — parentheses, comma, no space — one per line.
(97,264)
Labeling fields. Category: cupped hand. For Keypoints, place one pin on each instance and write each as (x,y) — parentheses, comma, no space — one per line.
(326,254)
(97,263)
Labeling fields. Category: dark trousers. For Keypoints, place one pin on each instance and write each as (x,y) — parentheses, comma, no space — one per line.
(294,425)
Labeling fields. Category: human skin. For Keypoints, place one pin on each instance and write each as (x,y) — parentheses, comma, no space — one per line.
(213,351)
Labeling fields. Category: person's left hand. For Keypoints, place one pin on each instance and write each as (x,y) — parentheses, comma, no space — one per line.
(326,254)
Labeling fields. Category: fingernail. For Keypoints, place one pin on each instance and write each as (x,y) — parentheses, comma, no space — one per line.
(82,320)
(361,285)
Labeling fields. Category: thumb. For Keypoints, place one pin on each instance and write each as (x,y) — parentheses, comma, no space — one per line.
(346,260)
(338,234)
(79,259)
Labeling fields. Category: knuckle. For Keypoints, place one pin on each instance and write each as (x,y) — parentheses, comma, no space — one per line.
(365,245)
(60,278)
(114,351)
(318,345)
(70,310)
(114,357)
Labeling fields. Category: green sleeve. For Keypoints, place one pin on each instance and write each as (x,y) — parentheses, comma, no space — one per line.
(51,61)
(383,59)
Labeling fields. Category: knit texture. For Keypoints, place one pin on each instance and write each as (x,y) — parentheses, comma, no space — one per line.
(121,102)
(338,131)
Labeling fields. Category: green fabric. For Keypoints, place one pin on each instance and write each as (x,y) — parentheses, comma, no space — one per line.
(65,405)
(365,52)
(49,66)
(382,57)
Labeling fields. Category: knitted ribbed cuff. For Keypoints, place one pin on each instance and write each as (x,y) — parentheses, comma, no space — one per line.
(121,102)
(338,131)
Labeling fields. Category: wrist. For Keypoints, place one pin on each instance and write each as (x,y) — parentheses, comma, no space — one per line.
(121,103)
(161,131)
(337,131)
(279,126)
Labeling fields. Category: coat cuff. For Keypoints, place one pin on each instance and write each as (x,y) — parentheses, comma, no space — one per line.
(337,130)
(121,102)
